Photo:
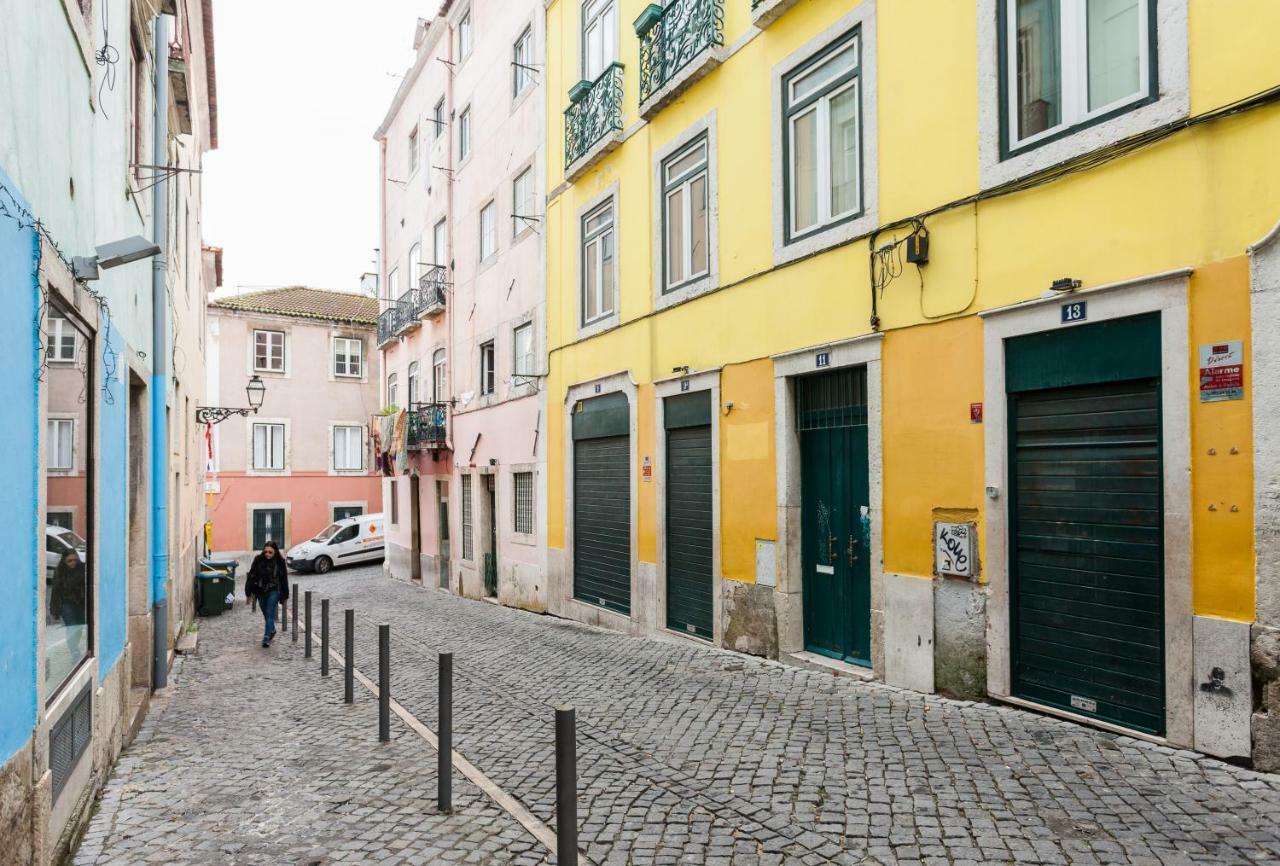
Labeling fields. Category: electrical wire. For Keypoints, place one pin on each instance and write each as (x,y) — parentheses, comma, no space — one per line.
(106,57)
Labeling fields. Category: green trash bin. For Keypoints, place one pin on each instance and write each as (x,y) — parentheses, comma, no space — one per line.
(212,590)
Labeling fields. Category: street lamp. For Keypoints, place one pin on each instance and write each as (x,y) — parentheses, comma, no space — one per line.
(254,391)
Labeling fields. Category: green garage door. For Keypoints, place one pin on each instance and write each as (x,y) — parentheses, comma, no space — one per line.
(689,511)
(602,503)
(1087,552)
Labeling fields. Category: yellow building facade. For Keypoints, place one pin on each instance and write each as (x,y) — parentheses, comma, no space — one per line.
(914,340)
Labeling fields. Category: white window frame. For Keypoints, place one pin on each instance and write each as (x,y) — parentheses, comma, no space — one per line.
(601,14)
(440,242)
(521,56)
(683,185)
(488,368)
(393,285)
(439,376)
(284,351)
(342,465)
(594,238)
(56,331)
(518,368)
(1073,75)
(414,383)
(347,343)
(415,265)
(52,428)
(414,143)
(464,134)
(523,206)
(393,388)
(466,35)
(821,105)
(437,119)
(524,534)
(489,230)
(271,428)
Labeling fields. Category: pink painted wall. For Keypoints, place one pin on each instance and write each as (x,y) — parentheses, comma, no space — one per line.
(309,400)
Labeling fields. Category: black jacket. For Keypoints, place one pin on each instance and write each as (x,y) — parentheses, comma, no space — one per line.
(69,593)
(261,576)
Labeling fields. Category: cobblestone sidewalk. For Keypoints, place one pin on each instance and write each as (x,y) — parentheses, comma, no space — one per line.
(251,758)
(692,755)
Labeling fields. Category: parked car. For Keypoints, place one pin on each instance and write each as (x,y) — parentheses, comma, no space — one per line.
(355,539)
(58,542)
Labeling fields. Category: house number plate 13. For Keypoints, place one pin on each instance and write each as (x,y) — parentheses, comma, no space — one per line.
(1075,312)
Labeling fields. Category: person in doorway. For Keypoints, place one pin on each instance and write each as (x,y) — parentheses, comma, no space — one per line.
(268,582)
(69,593)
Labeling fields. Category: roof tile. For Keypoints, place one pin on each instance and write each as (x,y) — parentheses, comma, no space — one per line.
(305,303)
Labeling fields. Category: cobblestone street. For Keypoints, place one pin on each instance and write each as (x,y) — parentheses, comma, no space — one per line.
(686,755)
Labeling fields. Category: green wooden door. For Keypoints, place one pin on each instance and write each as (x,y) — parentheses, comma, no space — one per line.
(602,503)
(1086,508)
(689,514)
(831,417)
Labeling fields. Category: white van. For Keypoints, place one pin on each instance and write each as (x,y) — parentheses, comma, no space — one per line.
(355,539)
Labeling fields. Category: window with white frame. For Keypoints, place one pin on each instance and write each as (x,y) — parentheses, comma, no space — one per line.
(521,62)
(488,230)
(61,345)
(486,368)
(468,551)
(440,243)
(822,111)
(415,385)
(413,150)
(393,390)
(522,497)
(415,265)
(393,285)
(1068,62)
(465,35)
(268,351)
(348,449)
(522,202)
(61,449)
(348,356)
(439,379)
(437,119)
(522,350)
(685,224)
(599,279)
(464,134)
(599,40)
(268,446)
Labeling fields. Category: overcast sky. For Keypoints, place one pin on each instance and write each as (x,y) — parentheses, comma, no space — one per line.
(291,194)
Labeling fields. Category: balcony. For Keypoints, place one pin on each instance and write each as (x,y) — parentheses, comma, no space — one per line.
(679,45)
(593,122)
(765,12)
(433,286)
(406,317)
(387,325)
(428,427)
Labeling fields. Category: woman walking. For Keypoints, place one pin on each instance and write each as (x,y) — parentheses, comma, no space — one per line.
(268,580)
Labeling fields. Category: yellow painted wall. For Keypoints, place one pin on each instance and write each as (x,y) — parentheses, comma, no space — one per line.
(748,477)
(1222,553)
(933,455)
(1196,200)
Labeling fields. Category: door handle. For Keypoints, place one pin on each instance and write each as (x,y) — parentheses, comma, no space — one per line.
(853,542)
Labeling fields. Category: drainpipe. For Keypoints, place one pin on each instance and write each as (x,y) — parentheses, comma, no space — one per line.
(160,372)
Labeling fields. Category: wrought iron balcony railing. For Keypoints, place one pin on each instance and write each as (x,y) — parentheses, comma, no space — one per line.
(387,324)
(595,112)
(407,308)
(428,427)
(432,288)
(672,37)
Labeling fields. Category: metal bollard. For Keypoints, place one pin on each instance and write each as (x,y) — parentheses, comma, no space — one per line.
(384,683)
(348,660)
(324,637)
(444,756)
(294,596)
(307,653)
(566,787)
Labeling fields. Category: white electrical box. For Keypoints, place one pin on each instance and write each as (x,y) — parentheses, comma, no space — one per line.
(955,549)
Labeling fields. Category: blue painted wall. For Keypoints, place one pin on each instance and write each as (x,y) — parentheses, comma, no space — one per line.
(112,487)
(19,261)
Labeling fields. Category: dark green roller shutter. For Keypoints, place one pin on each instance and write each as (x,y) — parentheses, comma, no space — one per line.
(689,514)
(602,503)
(1087,552)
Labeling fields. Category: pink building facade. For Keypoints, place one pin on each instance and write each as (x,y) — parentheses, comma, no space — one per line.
(462,303)
(304,459)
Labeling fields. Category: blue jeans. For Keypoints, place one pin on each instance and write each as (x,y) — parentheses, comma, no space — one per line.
(269,603)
